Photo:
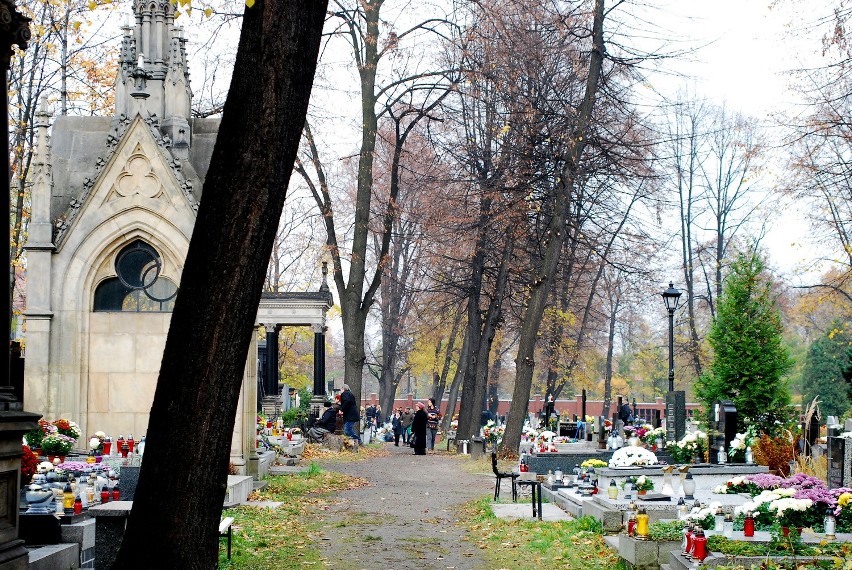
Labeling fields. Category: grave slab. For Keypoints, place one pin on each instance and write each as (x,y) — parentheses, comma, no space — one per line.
(54,556)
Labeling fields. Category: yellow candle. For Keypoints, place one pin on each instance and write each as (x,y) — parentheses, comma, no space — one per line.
(642,524)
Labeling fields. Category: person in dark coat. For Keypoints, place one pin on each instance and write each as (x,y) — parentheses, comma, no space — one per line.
(351,416)
(396,422)
(418,429)
(326,424)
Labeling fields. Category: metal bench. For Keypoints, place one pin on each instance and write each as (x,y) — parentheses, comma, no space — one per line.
(225,531)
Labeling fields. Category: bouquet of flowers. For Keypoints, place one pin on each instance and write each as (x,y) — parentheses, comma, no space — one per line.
(704,517)
(493,433)
(640,483)
(741,441)
(632,455)
(691,445)
(96,442)
(740,484)
(652,435)
(528,433)
(35,436)
(593,463)
(67,427)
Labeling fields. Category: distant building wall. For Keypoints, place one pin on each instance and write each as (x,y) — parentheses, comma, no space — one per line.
(536,405)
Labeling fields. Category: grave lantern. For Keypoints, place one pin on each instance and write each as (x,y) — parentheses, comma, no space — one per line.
(688,486)
(830,524)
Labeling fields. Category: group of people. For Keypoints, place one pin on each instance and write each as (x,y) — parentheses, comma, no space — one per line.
(417,428)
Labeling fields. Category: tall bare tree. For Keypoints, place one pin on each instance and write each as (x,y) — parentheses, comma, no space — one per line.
(387,86)
(541,285)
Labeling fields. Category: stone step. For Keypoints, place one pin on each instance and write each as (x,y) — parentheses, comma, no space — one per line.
(54,556)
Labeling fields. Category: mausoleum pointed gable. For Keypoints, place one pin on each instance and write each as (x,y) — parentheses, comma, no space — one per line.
(137,169)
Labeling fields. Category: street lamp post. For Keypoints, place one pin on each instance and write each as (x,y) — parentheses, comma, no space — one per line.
(671,297)
(675,401)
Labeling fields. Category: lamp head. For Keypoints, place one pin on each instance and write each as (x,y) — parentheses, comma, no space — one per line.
(671,297)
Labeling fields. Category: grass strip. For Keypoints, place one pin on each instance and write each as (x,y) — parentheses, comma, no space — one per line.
(283,537)
(532,545)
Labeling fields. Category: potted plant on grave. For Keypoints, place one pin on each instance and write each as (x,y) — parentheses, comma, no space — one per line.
(34,436)
(29,464)
(57,445)
(630,456)
(792,513)
(690,448)
(843,511)
(594,464)
(641,483)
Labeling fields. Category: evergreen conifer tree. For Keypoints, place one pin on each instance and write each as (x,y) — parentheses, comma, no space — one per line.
(749,360)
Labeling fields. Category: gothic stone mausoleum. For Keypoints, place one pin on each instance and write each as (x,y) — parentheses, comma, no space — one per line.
(114,202)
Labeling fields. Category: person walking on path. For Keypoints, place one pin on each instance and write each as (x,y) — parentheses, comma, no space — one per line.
(433,417)
(396,423)
(407,418)
(351,417)
(418,429)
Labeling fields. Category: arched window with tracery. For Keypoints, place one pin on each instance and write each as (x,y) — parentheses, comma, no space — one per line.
(138,286)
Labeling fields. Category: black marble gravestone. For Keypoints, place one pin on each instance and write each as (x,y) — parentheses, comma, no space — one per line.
(724,428)
(675,415)
(839,460)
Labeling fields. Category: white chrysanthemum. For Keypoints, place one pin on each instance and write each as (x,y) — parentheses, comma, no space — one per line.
(632,455)
(789,504)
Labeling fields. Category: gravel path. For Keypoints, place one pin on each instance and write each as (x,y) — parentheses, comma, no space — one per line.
(405,519)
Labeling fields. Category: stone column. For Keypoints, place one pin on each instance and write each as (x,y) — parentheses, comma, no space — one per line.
(319,360)
(270,380)
(40,250)
(319,372)
(249,410)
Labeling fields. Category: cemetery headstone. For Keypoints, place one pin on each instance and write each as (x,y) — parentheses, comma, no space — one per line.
(847,425)
(811,432)
(599,429)
(675,415)
(839,462)
(724,426)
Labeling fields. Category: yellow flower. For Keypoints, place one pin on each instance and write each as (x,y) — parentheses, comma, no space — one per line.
(844,499)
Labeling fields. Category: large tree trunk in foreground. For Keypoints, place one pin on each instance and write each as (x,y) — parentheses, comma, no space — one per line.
(182,484)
